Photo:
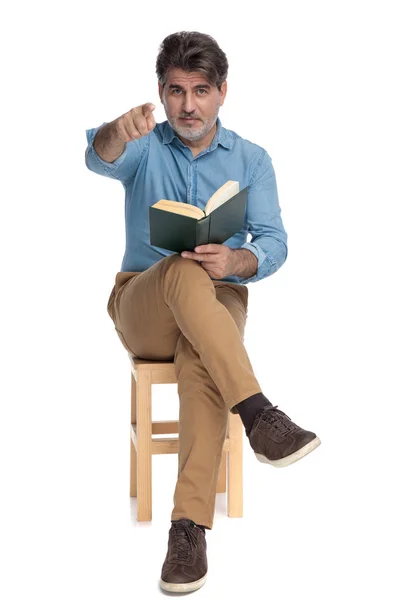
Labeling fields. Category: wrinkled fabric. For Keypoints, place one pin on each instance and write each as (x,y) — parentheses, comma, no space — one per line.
(159,166)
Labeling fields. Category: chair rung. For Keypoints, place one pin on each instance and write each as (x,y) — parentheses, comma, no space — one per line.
(167,445)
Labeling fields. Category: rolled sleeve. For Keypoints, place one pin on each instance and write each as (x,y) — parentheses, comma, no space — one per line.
(122,168)
(268,236)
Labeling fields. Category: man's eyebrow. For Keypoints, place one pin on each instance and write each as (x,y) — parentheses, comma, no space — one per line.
(200,85)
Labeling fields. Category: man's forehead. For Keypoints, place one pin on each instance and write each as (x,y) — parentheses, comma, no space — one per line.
(179,77)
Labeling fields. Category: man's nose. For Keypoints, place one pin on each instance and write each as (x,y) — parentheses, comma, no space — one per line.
(189,103)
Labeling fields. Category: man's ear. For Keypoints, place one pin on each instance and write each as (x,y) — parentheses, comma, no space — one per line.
(160,91)
(224,89)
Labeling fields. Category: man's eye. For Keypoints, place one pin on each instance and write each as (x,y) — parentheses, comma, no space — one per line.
(199,90)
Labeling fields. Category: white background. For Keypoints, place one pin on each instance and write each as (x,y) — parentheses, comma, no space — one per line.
(315,84)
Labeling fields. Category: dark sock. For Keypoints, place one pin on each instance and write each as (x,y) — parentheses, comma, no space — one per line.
(200,526)
(250,407)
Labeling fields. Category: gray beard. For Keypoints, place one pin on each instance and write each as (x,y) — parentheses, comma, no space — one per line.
(193,134)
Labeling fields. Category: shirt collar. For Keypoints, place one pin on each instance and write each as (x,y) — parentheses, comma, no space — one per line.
(221,136)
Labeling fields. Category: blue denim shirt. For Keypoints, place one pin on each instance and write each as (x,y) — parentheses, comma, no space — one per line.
(160,166)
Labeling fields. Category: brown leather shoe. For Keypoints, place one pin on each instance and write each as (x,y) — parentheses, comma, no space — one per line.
(278,441)
(185,566)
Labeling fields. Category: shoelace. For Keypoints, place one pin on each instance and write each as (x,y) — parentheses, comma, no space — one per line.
(185,538)
(274,418)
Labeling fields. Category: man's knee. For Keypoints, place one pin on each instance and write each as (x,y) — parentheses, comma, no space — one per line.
(180,271)
(176,261)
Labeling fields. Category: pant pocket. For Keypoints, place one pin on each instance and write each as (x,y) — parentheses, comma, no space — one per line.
(243,294)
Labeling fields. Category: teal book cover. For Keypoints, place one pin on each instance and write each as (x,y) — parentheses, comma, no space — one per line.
(177,232)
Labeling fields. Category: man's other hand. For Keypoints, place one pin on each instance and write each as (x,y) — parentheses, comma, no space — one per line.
(218,260)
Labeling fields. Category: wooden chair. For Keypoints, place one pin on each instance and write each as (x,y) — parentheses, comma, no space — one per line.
(144,374)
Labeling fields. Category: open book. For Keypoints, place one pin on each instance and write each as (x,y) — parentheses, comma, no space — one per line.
(180,226)
(226,191)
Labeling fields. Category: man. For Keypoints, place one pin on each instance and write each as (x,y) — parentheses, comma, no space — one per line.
(193,307)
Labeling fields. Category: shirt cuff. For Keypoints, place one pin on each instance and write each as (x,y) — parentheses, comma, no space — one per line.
(264,267)
(110,166)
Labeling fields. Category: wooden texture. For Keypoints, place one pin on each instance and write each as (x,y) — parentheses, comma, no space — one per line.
(145,373)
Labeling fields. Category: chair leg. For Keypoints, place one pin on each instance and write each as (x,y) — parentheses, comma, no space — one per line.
(221,485)
(235,467)
(144,447)
(133,466)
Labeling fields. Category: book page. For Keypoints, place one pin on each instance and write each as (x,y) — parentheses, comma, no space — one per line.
(180,208)
(226,191)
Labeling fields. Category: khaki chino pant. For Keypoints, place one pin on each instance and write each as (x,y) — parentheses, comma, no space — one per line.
(174,310)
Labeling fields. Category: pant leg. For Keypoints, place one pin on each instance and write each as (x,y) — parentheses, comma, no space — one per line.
(175,295)
(203,420)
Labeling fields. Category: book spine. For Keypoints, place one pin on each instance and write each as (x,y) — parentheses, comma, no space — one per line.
(203,231)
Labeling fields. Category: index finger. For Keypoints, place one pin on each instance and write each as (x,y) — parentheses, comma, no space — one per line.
(147,109)
(210,248)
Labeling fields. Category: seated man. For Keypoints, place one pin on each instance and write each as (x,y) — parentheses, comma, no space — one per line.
(192,307)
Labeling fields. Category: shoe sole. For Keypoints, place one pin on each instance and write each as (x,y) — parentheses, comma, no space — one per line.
(288,460)
(190,586)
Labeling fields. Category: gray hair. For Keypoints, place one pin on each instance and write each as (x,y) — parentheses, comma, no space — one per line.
(192,51)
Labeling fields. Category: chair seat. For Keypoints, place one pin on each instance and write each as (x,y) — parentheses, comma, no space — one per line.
(161,371)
